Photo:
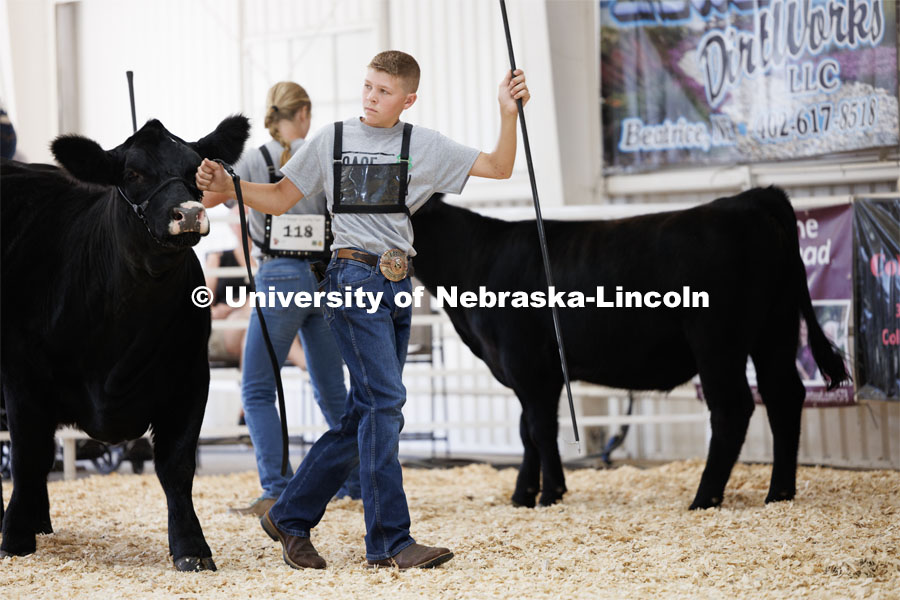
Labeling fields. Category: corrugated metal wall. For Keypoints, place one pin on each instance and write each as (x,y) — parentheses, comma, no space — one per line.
(461,57)
(184,56)
(323,46)
(461,48)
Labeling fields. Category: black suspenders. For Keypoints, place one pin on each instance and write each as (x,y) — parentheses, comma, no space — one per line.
(404,158)
(337,162)
(270,166)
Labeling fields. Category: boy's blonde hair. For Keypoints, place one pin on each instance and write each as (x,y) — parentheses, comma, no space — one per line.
(399,64)
(283,101)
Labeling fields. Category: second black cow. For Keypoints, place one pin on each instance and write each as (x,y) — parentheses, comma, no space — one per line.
(742,251)
(99,327)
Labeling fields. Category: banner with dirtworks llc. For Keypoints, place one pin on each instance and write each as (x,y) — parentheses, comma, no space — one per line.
(693,82)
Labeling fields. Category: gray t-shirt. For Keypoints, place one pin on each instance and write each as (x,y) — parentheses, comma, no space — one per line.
(252,167)
(437,164)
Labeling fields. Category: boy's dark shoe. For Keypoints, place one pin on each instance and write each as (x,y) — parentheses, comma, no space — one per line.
(415,556)
(298,552)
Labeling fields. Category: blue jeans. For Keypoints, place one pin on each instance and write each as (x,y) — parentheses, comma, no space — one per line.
(374,348)
(326,371)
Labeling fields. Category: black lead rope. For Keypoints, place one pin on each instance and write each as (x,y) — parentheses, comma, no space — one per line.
(540,225)
(276,368)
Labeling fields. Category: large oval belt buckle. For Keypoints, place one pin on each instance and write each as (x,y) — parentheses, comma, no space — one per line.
(394,264)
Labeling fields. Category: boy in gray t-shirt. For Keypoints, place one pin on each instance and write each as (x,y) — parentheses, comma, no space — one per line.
(437,164)
(375,171)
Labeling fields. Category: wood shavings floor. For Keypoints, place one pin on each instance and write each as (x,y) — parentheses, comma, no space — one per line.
(623,533)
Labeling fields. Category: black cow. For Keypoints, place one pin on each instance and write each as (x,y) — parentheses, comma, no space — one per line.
(99,330)
(743,251)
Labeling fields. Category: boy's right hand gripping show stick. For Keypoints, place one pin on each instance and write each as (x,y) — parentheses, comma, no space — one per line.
(541,236)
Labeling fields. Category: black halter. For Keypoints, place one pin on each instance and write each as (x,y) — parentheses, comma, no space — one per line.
(140,209)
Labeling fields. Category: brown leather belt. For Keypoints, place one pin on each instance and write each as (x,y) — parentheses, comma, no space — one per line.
(363,257)
(393,264)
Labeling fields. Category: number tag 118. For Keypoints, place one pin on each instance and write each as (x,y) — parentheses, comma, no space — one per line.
(297,233)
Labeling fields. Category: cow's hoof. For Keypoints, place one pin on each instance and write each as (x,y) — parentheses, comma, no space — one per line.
(195,563)
(523,501)
(701,503)
(44,527)
(549,498)
(780,496)
(13,551)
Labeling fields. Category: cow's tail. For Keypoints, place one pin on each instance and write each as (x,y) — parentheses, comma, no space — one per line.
(828,357)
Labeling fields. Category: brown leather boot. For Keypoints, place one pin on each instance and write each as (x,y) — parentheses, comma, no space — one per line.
(298,552)
(415,556)
(257,508)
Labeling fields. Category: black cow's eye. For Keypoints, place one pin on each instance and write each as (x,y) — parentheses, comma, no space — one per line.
(132,176)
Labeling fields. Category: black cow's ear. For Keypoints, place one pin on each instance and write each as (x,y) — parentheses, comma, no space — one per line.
(227,141)
(84,159)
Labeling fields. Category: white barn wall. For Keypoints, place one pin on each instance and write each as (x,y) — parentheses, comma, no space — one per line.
(572,26)
(461,48)
(33,62)
(198,60)
(324,46)
(7,89)
(184,57)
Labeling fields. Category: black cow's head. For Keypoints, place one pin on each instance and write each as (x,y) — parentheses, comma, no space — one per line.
(155,170)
